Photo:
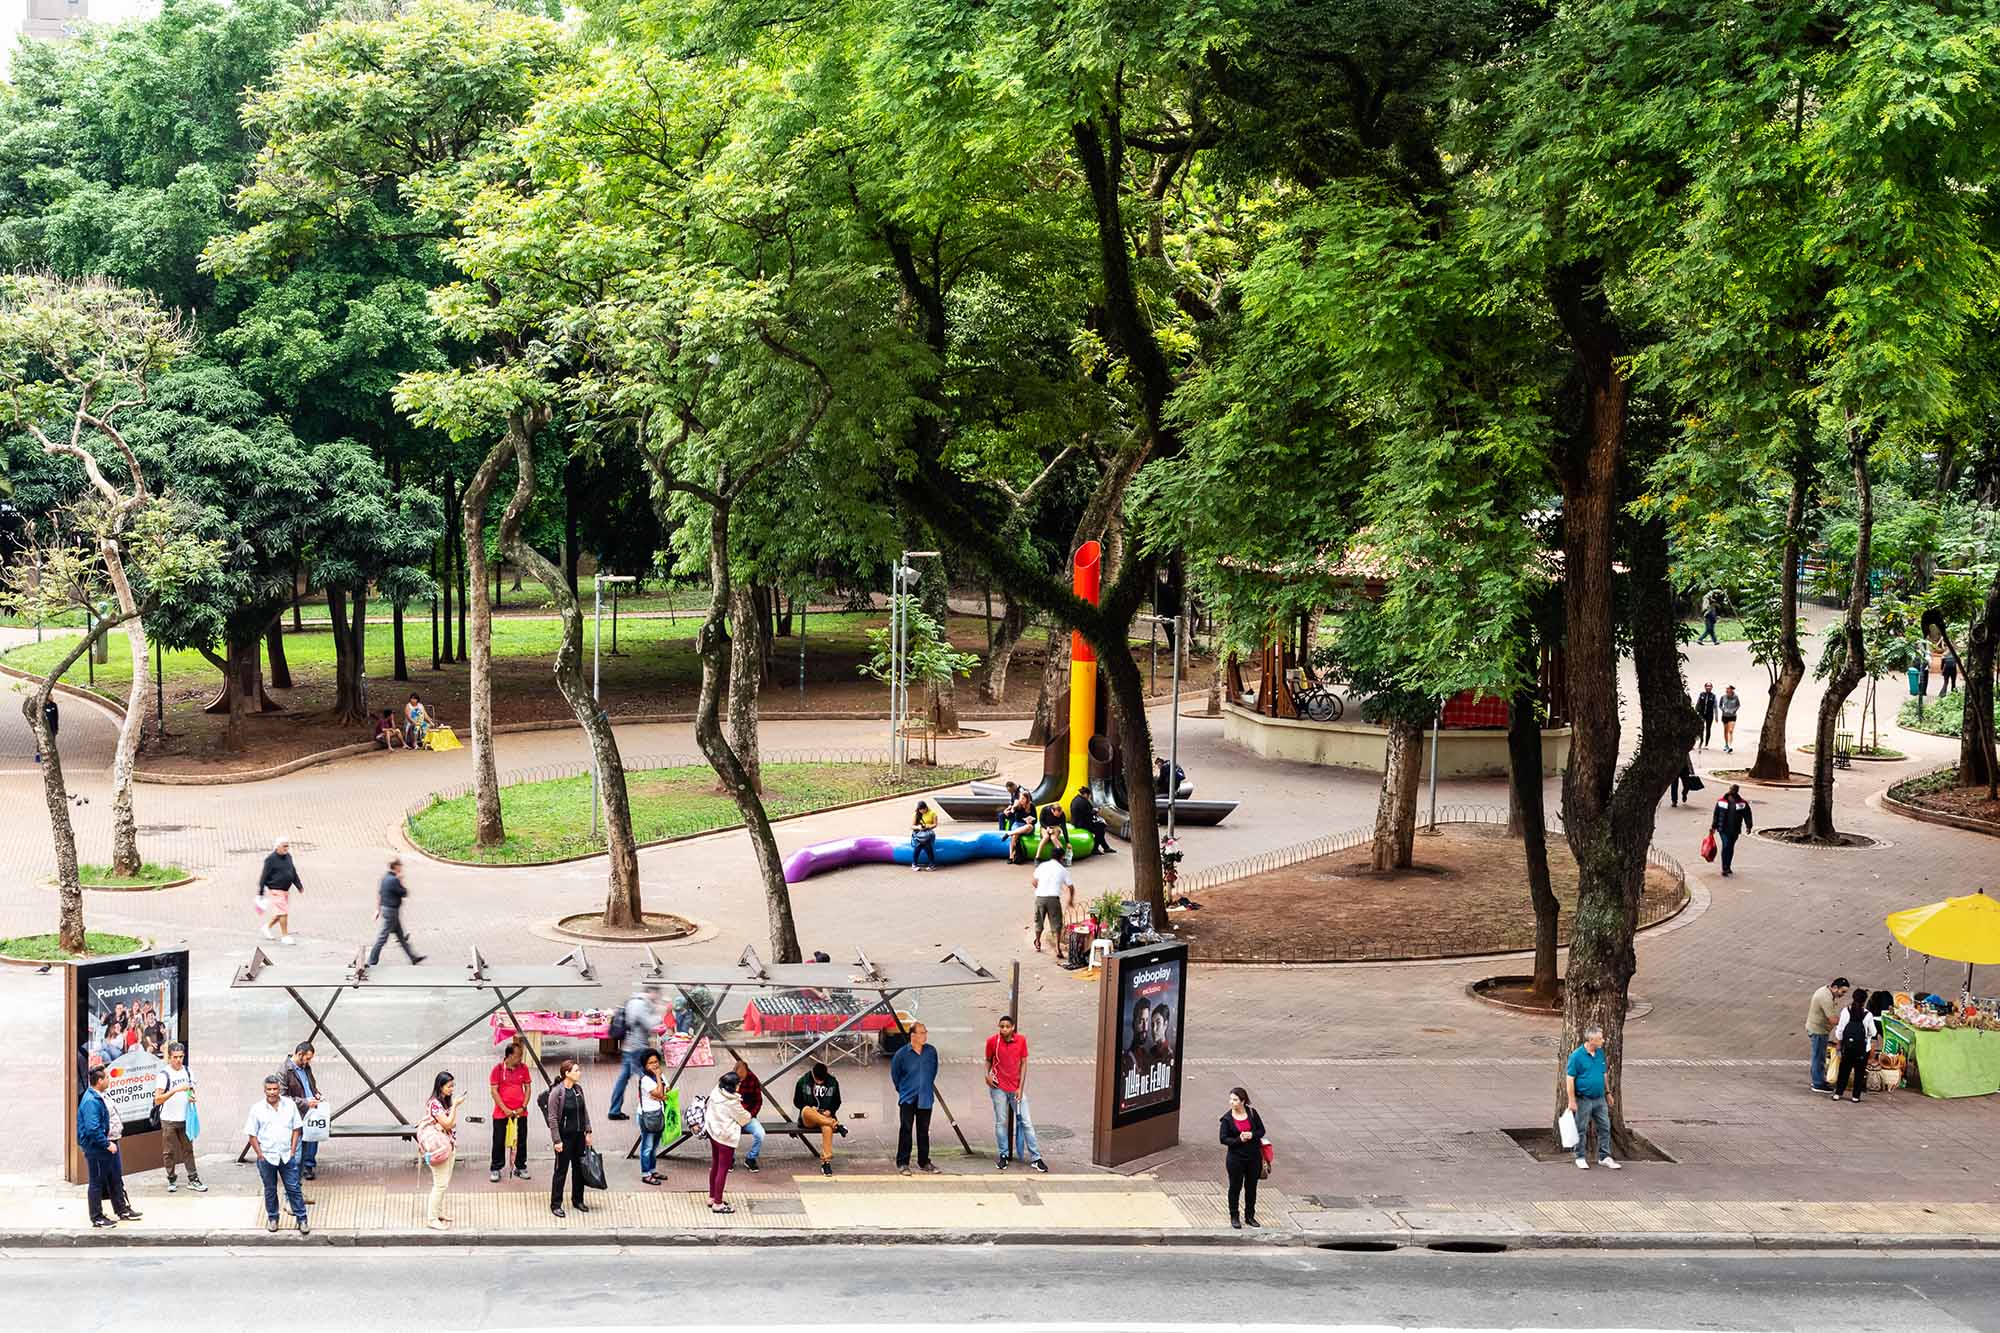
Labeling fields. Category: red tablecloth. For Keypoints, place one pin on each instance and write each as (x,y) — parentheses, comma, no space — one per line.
(786,1015)
(587,1023)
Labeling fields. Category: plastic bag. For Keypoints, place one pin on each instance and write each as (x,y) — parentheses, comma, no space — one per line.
(1566,1129)
(1708,846)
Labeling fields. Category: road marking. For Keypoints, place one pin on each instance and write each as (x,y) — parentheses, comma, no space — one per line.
(1036,1326)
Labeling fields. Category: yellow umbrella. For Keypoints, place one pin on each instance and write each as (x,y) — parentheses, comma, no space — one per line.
(1961,930)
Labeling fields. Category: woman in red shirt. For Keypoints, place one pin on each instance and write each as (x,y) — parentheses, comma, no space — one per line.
(510,1082)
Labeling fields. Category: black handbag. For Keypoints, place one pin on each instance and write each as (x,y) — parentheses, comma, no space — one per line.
(591,1167)
(651,1123)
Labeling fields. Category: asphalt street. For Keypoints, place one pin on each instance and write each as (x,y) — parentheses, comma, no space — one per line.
(828,1288)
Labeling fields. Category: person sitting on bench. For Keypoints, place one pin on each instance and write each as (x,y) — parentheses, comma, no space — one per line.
(817,1096)
(1054,835)
(388,736)
(1083,814)
(1162,786)
(1018,821)
(1007,811)
(923,837)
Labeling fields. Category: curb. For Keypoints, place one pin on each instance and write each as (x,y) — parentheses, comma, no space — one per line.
(1923,816)
(1467,1241)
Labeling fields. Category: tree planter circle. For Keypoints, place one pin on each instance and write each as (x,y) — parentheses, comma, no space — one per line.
(1883,756)
(1848,841)
(15,960)
(182,881)
(1742,775)
(659,927)
(1511,993)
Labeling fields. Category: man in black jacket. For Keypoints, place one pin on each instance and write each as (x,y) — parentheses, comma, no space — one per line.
(301,1084)
(1083,814)
(817,1097)
(1731,819)
(389,896)
(1704,708)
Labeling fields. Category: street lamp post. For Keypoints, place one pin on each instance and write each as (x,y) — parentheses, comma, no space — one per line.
(1174,722)
(596,671)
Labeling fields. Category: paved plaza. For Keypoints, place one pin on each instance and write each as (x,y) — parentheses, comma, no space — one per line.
(1387,1090)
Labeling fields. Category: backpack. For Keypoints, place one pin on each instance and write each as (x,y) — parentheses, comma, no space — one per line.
(617,1028)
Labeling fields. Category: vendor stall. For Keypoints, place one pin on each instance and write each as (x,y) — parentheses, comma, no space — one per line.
(1947,1061)
(1954,1046)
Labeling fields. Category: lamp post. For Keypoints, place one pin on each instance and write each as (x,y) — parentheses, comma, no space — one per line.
(904,575)
(1174,722)
(596,642)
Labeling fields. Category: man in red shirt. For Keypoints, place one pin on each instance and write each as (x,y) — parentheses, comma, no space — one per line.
(1006,1082)
(510,1082)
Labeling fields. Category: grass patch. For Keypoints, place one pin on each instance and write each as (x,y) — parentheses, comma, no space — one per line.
(96,944)
(547,820)
(150,875)
(1945,779)
(1728,629)
(1942,717)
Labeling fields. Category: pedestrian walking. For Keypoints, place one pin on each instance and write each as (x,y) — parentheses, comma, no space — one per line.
(52,722)
(275,883)
(98,1127)
(272,1132)
(1856,1036)
(1711,611)
(1055,894)
(914,1071)
(640,1018)
(1704,708)
(1949,669)
(173,1094)
(750,1090)
(1934,665)
(817,1097)
(389,898)
(440,1146)
(1590,1097)
(509,1082)
(1732,816)
(1727,707)
(1242,1157)
(652,1118)
(1685,783)
(569,1135)
(724,1120)
(1822,1012)
(1006,1085)
(302,1086)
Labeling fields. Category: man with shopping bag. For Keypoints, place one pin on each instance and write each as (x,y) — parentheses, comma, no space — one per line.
(1590,1098)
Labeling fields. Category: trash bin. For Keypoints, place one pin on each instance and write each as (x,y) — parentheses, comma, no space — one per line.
(1916,682)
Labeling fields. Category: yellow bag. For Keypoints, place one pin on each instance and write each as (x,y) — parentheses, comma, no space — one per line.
(513,1132)
(442,738)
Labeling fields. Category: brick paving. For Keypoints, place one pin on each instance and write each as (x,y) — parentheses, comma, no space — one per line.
(1385,1086)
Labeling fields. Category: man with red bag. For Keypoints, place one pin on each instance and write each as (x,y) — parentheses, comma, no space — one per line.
(1731,819)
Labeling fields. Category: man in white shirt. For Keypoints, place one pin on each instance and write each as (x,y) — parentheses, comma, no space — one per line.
(1055,892)
(173,1089)
(273,1132)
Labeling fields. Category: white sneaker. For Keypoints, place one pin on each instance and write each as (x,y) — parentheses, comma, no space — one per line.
(1608,1164)
(288,940)
(266,928)
(1582,1165)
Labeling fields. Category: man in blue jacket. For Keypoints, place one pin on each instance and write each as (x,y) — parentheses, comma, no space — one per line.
(914,1072)
(97,1131)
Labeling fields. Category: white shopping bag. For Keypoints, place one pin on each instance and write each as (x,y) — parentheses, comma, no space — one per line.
(1566,1128)
(317,1129)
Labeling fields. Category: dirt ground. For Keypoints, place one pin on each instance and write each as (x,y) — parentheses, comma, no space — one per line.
(1467,894)
(664,679)
(1966,802)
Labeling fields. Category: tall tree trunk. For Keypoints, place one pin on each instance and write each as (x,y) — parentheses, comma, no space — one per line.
(444,574)
(934,592)
(125,758)
(1524,786)
(345,703)
(1977,761)
(489,827)
(1000,652)
(1819,825)
(1773,762)
(622,907)
(717,648)
(401,669)
(1135,743)
(298,619)
(1050,716)
(357,652)
(55,793)
(745,680)
(1608,817)
(1396,808)
(274,648)
(571,554)
(457,536)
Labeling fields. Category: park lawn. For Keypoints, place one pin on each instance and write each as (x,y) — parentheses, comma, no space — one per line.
(1728,629)
(549,820)
(100,877)
(45,947)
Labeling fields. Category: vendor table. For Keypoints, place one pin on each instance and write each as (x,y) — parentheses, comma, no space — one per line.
(584,1024)
(1952,1062)
(794,1018)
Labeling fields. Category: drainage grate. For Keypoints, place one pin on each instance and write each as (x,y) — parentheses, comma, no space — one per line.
(1360,1246)
(1467,1246)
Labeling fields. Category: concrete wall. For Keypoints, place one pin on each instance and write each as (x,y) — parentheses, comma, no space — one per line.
(1478,753)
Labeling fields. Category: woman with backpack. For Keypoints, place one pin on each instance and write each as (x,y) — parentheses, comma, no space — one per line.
(1855,1035)
(438,1137)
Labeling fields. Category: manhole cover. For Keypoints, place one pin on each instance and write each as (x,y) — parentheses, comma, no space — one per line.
(1054,1133)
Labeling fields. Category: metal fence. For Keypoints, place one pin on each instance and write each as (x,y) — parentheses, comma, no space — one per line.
(1651,913)
(645,763)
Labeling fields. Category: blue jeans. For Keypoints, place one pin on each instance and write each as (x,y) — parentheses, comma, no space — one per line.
(633,1063)
(1026,1146)
(1818,1067)
(1728,841)
(649,1152)
(923,847)
(1593,1111)
(294,1196)
(753,1134)
(107,1183)
(309,1154)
